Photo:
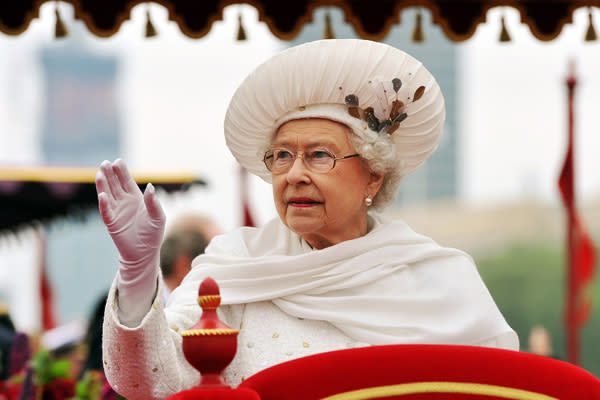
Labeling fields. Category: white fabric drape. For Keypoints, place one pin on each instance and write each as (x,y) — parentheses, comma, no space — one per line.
(389,286)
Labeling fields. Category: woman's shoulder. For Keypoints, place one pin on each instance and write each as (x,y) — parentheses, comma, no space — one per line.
(395,229)
(397,233)
(381,222)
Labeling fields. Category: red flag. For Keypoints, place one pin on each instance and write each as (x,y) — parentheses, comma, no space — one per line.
(584,261)
(247,216)
(46,298)
(581,258)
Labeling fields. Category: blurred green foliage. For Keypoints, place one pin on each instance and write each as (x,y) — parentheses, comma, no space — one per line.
(527,281)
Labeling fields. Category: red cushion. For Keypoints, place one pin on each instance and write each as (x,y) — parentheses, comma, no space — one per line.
(216,394)
(425,372)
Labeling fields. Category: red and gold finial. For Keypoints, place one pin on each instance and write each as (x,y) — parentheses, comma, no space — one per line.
(210,344)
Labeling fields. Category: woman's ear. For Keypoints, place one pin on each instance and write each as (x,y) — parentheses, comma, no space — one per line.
(375,183)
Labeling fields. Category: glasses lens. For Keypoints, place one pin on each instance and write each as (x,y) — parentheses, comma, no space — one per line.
(278,160)
(268,159)
(319,160)
(281,160)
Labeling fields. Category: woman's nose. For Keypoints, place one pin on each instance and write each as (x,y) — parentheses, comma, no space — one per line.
(298,172)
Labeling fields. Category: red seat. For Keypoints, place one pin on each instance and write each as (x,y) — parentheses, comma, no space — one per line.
(215,394)
(425,372)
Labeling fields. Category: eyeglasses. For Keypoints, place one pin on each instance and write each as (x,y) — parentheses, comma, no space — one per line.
(281,160)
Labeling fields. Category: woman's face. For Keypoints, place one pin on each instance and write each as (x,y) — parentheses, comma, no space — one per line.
(324,208)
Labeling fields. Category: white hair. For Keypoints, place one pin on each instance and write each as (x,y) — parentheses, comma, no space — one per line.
(381,156)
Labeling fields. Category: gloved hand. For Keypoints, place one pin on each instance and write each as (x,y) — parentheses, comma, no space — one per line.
(136,224)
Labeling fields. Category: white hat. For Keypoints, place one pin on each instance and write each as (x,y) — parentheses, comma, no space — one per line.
(326,79)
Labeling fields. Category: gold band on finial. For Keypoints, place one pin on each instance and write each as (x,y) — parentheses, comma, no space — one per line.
(209,302)
(209,332)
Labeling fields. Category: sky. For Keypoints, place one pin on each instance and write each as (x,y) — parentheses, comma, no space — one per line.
(174,91)
(514,105)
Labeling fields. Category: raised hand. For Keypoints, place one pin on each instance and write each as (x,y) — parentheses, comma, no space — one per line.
(135,221)
(136,224)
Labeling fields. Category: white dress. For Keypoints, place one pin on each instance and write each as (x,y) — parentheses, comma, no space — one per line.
(290,301)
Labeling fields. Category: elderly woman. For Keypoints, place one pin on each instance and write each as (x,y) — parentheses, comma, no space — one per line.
(334,125)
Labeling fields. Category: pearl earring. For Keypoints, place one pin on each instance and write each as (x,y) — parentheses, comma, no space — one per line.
(368,201)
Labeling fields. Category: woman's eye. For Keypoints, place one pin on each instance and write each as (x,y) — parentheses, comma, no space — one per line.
(283,155)
(319,154)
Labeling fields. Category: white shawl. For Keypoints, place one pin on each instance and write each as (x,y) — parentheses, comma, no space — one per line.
(389,286)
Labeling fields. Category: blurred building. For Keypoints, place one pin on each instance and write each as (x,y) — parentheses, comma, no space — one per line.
(80,118)
(437,178)
(80,126)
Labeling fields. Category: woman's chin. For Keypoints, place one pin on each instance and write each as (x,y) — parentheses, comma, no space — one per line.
(303,226)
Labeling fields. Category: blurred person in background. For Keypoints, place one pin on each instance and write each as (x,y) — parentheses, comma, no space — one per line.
(540,342)
(92,340)
(196,222)
(187,238)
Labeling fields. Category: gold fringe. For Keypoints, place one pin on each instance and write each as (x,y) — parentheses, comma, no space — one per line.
(150,29)
(590,34)
(241,33)
(328,31)
(418,35)
(60,29)
(504,35)
(88,175)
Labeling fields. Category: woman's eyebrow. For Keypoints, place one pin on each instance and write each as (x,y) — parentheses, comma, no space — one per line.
(283,143)
(309,144)
(328,145)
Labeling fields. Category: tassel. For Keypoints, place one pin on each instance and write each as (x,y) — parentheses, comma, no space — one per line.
(150,30)
(590,35)
(504,36)
(60,29)
(417,35)
(241,33)
(328,31)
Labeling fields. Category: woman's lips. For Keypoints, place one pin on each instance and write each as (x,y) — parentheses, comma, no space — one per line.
(302,202)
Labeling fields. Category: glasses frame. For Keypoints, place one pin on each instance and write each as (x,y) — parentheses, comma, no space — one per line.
(300,154)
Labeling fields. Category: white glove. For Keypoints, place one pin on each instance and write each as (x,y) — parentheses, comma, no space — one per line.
(136,224)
